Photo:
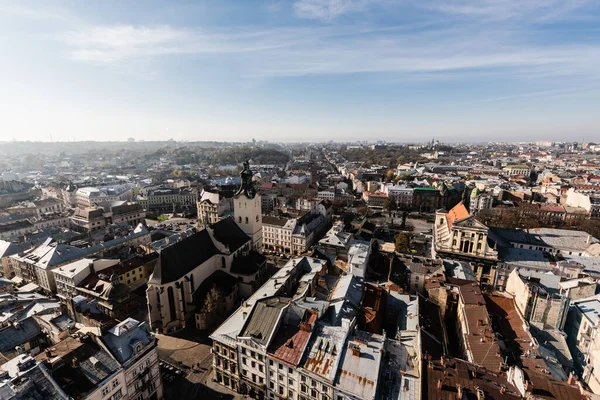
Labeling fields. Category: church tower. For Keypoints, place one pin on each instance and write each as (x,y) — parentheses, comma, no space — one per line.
(247,208)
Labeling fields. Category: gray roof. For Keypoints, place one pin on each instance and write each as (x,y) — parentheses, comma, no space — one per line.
(122,339)
(562,239)
(35,384)
(15,335)
(264,318)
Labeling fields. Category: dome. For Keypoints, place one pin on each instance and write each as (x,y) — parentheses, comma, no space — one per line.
(474,193)
(116,291)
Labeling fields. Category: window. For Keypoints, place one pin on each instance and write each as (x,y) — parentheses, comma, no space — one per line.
(271,385)
(290,381)
(291,371)
(271,362)
(246,219)
(105,391)
(117,395)
(280,366)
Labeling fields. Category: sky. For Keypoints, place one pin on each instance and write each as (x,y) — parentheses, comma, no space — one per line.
(300,70)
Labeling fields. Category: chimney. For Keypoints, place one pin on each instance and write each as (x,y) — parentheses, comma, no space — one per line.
(75,362)
(572,379)
(439,384)
(480,394)
(355,349)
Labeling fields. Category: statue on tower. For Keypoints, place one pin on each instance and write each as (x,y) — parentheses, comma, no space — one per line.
(247,185)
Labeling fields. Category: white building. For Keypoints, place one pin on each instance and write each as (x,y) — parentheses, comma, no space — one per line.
(247,209)
(583,337)
(358,258)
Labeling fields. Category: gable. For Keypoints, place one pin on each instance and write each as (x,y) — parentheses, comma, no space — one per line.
(469,222)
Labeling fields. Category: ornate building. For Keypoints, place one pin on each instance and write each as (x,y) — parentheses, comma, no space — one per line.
(458,234)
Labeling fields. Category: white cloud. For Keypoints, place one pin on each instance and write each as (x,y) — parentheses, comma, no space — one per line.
(284,52)
(328,10)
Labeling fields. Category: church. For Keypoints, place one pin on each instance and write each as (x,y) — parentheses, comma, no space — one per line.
(231,245)
(458,234)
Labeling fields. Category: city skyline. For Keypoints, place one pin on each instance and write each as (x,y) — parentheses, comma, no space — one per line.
(305,70)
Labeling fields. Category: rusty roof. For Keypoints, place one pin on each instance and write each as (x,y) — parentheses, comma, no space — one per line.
(290,341)
(443,380)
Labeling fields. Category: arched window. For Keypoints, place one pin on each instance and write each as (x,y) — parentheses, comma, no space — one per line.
(246,219)
(240,220)
(171,298)
(256,217)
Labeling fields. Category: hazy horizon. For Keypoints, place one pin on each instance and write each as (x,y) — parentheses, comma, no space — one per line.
(300,70)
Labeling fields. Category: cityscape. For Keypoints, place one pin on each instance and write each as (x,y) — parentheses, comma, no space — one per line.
(299,200)
(338,271)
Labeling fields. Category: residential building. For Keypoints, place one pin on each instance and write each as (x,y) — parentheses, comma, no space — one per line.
(402,195)
(538,305)
(374,199)
(358,258)
(213,206)
(89,196)
(583,336)
(167,199)
(101,215)
(134,348)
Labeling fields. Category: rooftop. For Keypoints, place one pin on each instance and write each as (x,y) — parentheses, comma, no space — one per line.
(360,363)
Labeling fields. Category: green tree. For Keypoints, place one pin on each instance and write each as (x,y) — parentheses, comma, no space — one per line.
(213,305)
(389,175)
(390,205)
(403,241)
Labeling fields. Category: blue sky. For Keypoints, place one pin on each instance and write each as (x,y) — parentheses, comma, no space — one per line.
(300,70)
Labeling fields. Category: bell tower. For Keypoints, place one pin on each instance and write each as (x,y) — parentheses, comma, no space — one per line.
(247,209)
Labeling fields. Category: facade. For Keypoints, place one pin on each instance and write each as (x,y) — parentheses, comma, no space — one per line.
(89,196)
(537,304)
(212,206)
(16,229)
(97,218)
(480,201)
(248,208)
(402,195)
(298,340)
(358,258)
(134,348)
(36,265)
(374,199)
(72,274)
(167,199)
(512,170)
(583,337)
(459,234)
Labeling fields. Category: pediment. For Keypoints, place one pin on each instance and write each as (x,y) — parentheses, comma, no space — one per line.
(469,222)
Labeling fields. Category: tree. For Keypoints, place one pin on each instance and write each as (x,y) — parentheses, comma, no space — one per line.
(389,175)
(390,205)
(403,240)
(213,305)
